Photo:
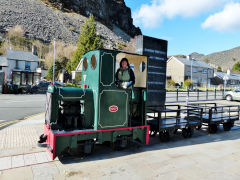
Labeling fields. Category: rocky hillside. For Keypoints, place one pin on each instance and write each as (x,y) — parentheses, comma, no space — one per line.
(225,59)
(109,12)
(48,19)
(196,55)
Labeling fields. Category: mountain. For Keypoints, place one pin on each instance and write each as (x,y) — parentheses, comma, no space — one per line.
(63,19)
(196,55)
(225,59)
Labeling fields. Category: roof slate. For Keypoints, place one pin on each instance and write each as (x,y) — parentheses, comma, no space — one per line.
(21,55)
(231,77)
(195,63)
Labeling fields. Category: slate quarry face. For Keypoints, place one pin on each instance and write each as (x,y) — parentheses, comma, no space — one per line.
(40,21)
(107,11)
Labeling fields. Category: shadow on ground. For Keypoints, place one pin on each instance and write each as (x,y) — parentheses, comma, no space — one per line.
(102,152)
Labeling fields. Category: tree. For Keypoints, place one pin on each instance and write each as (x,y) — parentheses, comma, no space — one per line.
(188,83)
(219,69)
(206,60)
(88,40)
(236,67)
(58,68)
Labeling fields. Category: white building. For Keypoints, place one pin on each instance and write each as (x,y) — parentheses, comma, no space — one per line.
(20,67)
(181,69)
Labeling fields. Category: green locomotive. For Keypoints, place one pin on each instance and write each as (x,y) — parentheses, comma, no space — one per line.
(100,111)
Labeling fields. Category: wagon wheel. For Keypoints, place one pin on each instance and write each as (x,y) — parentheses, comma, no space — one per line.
(164,136)
(227,126)
(184,133)
(212,128)
(152,133)
(199,127)
(187,132)
(190,131)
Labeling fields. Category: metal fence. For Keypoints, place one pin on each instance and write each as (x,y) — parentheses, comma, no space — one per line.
(1,81)
(183,96)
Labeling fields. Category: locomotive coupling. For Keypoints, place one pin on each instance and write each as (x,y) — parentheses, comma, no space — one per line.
(42,139)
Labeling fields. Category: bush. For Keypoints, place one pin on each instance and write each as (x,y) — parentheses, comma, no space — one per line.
(121,45)
(16,31)
(72,28)
(236,67)
(58,68)
(171,83)
(73,85)
(188,83)
(219,69)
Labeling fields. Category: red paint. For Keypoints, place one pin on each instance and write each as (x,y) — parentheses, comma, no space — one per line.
(113,108)
(84,86)
(51,137)
(147,135)
(51,140)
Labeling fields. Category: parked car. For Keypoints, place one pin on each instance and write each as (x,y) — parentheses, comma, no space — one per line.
(232,95)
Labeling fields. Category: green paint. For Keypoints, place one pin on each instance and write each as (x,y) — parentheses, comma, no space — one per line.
(101,105)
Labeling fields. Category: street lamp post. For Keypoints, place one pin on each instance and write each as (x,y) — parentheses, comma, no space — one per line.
(225,78)
(191,68)
(54,46)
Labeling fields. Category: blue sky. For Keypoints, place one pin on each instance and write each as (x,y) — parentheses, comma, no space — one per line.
(203,26)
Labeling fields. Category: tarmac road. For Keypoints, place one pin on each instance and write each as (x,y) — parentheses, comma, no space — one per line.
(16,107)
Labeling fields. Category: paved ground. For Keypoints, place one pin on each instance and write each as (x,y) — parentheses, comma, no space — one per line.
(201,157)
(15,107)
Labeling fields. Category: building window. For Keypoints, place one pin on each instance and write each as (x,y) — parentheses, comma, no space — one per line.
(0,67)
(194,70)
(27,65)
(204,71)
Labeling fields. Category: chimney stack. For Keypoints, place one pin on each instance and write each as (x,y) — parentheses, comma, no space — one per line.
(34,50)
(189,57)
(229,72)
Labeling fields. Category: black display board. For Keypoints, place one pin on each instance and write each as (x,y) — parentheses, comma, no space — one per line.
(156,50)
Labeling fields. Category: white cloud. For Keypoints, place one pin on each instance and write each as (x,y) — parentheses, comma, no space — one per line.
(152,15)
(227,20)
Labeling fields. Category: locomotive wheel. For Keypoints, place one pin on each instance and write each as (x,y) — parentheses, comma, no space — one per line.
(164,136)
(227,126)
(212,128)
(88,147)
(120,143)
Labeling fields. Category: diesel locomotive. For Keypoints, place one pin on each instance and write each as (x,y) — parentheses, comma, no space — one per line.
(99,111)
